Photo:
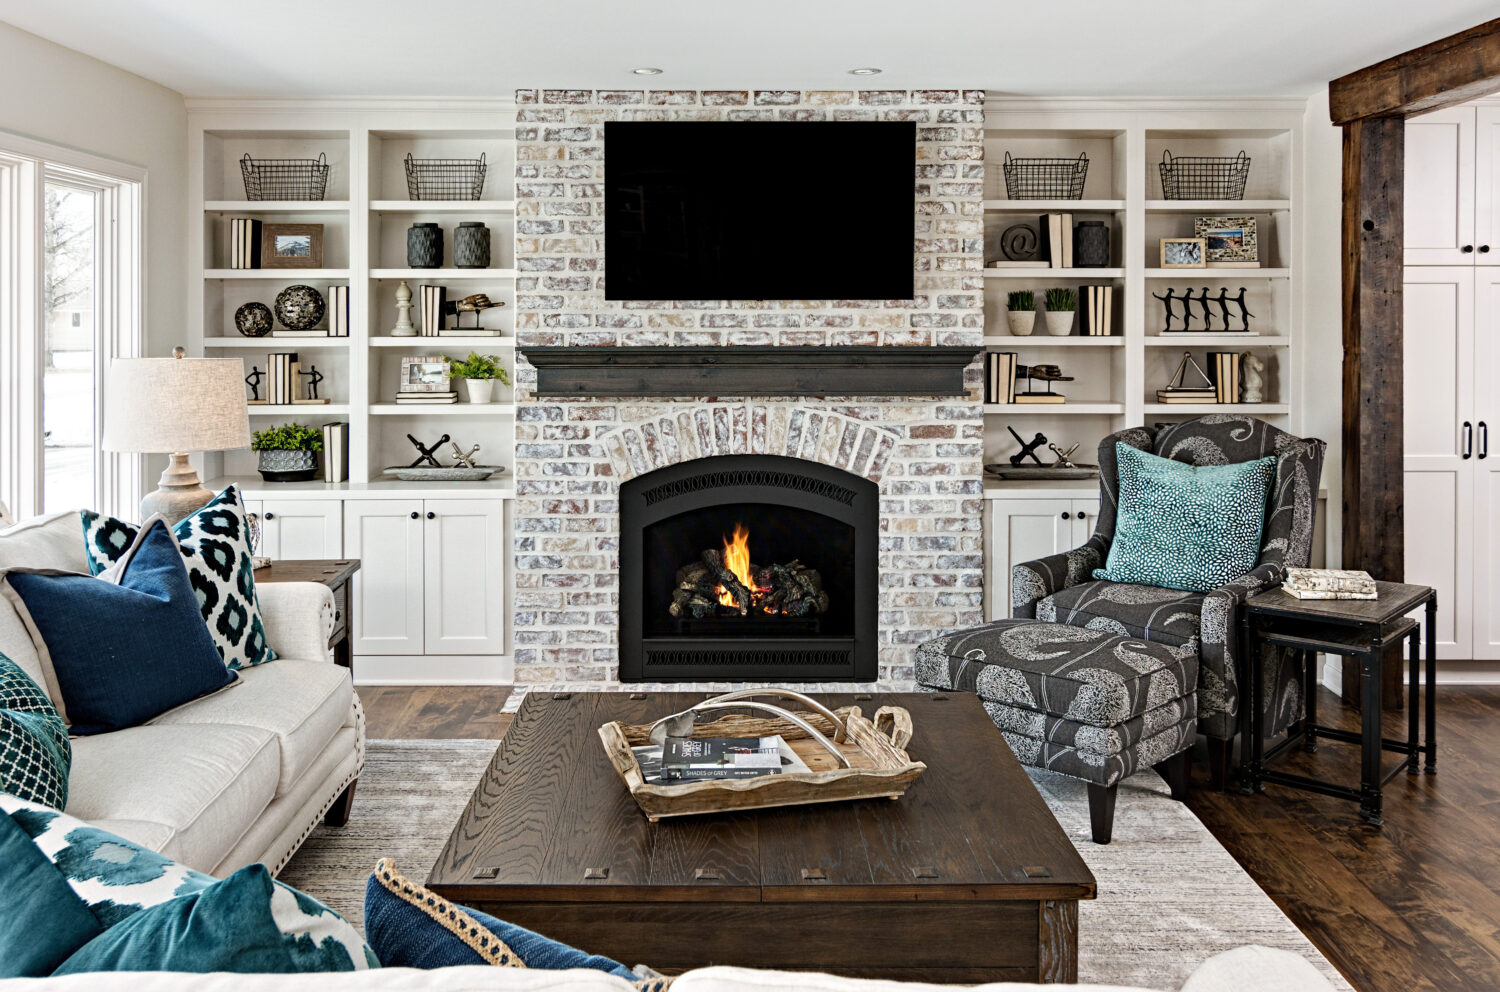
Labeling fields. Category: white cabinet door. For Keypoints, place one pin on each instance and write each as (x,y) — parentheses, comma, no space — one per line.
(1438,447)
(1439,194)
(1485,603)
(1487,186)
(303,528)
(1022,530)
(386,536)
(465,548)
(1085,516)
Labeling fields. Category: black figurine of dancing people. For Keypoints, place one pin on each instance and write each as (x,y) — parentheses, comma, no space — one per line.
(314,377)
(253,381)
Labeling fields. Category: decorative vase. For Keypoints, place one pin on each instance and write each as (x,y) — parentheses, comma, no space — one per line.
(480,390)
(471,245)
(424,246)
(1090,244)
(1021,322)
(253,320)
(1060,323)
(300,308)
(288,465)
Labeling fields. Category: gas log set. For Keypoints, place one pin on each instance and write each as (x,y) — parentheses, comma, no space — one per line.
(725,583)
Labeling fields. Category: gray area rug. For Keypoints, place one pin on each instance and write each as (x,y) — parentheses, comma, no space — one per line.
(1169,894)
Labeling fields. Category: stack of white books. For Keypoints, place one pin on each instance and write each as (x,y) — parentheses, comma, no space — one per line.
(1328,583)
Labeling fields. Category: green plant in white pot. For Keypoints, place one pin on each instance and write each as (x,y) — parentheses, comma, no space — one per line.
(288,453)
(479,373)
(1021,312)
(1060,306)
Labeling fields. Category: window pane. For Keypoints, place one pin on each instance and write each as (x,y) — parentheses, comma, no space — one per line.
(68,373)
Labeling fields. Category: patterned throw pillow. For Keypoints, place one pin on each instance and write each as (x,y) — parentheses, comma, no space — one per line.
(1192,527)
(215,542)
(35,755)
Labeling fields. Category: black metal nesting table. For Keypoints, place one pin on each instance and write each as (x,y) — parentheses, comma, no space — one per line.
(1356,628)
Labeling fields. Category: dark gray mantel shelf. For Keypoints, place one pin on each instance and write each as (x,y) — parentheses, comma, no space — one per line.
(891,371)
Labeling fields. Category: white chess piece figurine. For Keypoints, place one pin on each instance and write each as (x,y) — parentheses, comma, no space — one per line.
(404,327)
(1251,382)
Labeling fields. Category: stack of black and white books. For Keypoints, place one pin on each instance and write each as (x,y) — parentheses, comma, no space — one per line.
(338,311)
(244,243)
(281,377)
(1000,376)
(336,452)
(434,309)
(699,759)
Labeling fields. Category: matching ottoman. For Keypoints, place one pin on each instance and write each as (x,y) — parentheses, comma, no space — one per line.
(1093,704)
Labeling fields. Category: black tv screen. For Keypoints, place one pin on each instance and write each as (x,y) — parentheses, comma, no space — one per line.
(749,210)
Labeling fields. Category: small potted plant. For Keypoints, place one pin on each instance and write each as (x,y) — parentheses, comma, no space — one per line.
(1021,307)
(1061,303)
(479,373)
(288,453)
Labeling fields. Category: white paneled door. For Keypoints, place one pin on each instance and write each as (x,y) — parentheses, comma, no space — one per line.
(1486,465)
(1026,529)
(302,528)
(386,536)
(1439,200)
(465,547)
(1487,186)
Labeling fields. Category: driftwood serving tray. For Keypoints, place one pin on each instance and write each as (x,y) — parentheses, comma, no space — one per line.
(878,765)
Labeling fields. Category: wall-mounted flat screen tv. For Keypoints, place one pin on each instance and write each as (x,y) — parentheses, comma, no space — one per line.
(750,210)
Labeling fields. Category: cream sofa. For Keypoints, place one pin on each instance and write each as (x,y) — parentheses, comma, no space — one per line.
(236,778)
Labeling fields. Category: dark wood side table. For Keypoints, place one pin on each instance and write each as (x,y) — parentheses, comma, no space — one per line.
(333,573)
(1363,629)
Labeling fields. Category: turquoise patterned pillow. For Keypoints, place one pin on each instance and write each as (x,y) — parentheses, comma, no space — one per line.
(1192,527)
(215,543)
(35,755)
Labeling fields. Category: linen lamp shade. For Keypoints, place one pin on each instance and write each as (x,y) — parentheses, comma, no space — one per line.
(174,406)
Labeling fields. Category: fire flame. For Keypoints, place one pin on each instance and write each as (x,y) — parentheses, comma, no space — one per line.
(737,561)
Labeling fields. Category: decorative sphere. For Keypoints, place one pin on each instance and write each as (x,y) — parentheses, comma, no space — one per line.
(299,308)
(253,320)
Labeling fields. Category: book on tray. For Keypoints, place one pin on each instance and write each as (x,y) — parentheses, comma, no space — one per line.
(699,759)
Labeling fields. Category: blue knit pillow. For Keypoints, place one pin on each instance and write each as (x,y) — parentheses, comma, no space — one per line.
(1192,527)
(35,755)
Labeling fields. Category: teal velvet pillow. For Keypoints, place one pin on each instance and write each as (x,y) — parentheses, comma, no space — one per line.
(1191,527)
(248,923)
(44,920)
(35,755)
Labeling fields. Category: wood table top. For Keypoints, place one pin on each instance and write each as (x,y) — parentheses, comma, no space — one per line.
(550,810)
(329,571)
(1392,600)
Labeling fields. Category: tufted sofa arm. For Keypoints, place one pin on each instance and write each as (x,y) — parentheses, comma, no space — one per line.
(298,618)
(1033,581)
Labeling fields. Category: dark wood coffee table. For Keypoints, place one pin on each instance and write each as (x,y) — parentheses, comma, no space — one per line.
(968,878)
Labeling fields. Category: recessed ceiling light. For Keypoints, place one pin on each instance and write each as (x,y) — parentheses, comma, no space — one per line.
(865,70)
(647,70)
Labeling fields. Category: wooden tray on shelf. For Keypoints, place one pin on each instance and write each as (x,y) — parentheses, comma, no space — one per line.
(879,767)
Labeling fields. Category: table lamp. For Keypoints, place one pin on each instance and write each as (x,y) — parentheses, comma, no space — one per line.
(172,406)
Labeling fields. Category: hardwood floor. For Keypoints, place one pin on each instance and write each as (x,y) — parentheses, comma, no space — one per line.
(1411,907)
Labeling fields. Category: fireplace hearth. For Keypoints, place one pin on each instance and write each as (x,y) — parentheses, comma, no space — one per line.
(747,568)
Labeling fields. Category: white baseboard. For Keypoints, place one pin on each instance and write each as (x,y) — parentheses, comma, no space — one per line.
(416,669)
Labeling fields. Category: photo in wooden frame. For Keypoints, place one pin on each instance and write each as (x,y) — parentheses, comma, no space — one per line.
(291,246)
(424,374)
(1230,242)
(1183,253)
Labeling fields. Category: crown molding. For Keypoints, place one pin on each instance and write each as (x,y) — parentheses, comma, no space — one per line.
(999,102)
(346,105)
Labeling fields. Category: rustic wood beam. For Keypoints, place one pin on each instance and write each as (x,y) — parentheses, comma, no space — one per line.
(1453,70)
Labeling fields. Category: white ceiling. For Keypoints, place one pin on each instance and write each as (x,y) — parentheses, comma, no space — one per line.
(487,48)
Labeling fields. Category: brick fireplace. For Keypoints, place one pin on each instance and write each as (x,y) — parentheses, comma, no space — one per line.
(572,455)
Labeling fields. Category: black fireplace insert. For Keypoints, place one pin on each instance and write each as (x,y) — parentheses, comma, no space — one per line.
(748,568)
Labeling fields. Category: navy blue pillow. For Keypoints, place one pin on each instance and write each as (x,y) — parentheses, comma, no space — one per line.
(408,926)
(124,647)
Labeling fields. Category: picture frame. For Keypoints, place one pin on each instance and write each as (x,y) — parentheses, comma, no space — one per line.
(291,246)
(1183,253)
(1232,242)
(423,374)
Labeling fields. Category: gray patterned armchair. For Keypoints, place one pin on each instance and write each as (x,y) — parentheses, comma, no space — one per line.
(1061,588)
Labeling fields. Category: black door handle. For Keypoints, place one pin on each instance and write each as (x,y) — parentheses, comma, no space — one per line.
(431,515)
(1468,440)
(1484,439)
(1467,249)
(415,514)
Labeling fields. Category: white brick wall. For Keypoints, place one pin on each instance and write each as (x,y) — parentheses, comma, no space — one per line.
(571,455)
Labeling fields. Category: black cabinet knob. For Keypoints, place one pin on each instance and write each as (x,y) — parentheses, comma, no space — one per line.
(431,515)
(415,514)
(1067,516)
(1484,249)
(1082,515)
(1466,249)
(270,516)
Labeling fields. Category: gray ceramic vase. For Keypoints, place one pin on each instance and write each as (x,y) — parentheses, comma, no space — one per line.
(288,465)
(471,245)
(424,246)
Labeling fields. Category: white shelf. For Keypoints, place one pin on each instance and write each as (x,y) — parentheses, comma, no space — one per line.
(1198,408)
(276,206)
(285,275)
(1206,273)
(432,341)
(1217,208)
(443,409)
(254,487)
(261,342)
(298,409)
(1048,341)
(1051,409)
(1006,272)
(443,206)
(1052,206)
(449,274)
(1212,340)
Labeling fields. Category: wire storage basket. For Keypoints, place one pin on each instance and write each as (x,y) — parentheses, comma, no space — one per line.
(1045,178)
(1204,177)
(285,178)
(444,178)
